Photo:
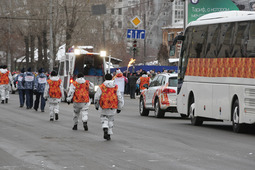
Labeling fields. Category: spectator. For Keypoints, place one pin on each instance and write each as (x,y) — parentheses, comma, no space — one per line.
(21,88)
(39,86)
(132,85)
(120,80)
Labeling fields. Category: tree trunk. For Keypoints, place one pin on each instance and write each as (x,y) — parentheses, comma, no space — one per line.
(40,54)
(45,51)
(54,49)
(26,40)
(32,52)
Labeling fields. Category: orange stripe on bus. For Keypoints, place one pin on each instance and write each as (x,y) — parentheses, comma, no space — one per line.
(221,67)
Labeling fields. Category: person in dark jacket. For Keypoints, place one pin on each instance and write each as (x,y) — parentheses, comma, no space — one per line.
(28,85)
(39,86)
(132,85)
(21,89)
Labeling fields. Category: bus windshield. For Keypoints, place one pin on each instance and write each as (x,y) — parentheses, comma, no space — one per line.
(89,65)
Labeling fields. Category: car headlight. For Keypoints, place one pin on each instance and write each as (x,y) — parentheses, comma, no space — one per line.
(96,87)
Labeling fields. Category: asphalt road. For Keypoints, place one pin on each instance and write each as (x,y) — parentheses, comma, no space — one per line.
(28,140)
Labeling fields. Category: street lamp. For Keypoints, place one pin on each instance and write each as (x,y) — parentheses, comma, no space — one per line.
(103,54)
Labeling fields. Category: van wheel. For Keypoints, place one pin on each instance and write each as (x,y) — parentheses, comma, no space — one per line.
(159,113)
(237,126)
(195,120)
(142,110)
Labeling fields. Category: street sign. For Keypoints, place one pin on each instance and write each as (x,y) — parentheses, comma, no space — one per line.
(136,21)
(135,34)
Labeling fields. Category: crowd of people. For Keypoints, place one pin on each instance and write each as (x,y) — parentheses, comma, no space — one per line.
(108,99)
(133,83)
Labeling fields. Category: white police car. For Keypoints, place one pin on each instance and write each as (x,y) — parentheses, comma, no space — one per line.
(160,96)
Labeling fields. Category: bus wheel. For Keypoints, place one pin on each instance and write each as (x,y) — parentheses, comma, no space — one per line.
(237,127)
(195,120)
(159,113)
(142,110)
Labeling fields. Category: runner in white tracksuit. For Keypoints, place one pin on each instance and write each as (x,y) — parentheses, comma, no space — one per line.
(79,104)
(5,84)
(107,115)
(53,101)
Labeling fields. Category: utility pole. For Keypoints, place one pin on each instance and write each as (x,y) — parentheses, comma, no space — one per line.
(51,37)
(144,42)
(9,43)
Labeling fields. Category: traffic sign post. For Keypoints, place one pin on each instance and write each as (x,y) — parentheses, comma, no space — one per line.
(136,34)
(136,21)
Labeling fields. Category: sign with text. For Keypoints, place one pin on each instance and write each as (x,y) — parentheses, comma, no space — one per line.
(198,8)
(135,34)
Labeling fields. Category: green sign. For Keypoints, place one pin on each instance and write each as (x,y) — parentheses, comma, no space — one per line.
(198,8)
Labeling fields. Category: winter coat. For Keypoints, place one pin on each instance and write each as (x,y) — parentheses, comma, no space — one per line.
(132,80)
(46,91)
(20,80)
(40,82)
(29,78)
(73,89)
(109,84)
(5,77)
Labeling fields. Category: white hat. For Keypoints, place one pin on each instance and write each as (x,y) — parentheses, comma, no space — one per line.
(118,71)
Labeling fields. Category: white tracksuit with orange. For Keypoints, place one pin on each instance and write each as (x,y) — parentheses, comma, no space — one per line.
(79,92)
(5,80)
(54,92)
(115,100)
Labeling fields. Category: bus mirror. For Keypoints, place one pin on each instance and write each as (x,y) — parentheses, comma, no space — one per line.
(178,38)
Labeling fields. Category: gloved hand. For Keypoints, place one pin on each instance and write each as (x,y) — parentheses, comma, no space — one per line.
(118,111)
(68,102)
(96,105)
(45,99)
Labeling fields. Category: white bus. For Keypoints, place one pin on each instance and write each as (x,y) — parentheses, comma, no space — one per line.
(216,78)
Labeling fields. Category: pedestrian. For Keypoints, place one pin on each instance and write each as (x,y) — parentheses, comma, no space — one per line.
(54,91)
(120,80)
(21,88)
(29,78)
(39,86)
(144,79)
(79,92)
(5,81)
(108,100)
(132,85)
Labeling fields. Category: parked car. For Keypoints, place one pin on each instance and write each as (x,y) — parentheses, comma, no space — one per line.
(160,96)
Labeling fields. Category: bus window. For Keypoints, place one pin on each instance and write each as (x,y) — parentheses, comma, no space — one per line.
(198,39)
(212,36)
(224,42)
(185,52)
(238,39)
(251,41)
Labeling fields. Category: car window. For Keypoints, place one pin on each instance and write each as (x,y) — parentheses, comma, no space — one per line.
(159,81)
(163,82)
(172,82)
(153,82)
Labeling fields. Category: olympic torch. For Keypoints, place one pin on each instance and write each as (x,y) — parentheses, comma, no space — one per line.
(129,64)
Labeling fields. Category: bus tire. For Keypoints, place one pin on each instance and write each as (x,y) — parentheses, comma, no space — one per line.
(195,120)
(142,110)
(237,126)
(159,113)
